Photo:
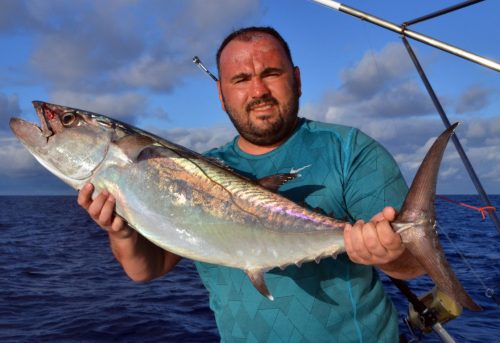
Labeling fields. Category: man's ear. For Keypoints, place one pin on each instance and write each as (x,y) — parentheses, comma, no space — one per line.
(296,75)
(221,99)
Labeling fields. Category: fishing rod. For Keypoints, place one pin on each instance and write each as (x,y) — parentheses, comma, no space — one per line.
(402,29)
(197,61)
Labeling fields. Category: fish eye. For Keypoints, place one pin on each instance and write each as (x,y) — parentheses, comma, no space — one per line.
(68,118)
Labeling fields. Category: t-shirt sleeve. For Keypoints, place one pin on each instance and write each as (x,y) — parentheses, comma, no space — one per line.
(372,177)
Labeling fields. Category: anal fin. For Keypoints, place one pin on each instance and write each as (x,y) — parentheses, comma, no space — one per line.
(256,276)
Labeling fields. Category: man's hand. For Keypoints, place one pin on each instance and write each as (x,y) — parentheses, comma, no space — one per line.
(101,210)
(374,242)
(141,259)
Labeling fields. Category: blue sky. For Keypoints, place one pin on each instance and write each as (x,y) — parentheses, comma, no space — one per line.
(132,60)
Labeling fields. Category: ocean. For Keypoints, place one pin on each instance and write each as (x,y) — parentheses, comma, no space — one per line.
(60,283)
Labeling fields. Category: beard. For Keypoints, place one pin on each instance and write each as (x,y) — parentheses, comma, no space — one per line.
(271,129)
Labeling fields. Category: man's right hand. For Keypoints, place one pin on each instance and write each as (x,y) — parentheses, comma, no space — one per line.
(101,210)
(141,259)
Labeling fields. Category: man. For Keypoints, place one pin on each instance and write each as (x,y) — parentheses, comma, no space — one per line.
(343,173)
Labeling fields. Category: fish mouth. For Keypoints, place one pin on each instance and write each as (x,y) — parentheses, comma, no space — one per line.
(31,134)
(28,133)
(46,116)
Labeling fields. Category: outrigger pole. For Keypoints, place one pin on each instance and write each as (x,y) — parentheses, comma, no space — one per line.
(440,45)
(458,146)
(402,29)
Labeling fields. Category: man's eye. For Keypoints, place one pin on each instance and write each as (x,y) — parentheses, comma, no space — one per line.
(272,74)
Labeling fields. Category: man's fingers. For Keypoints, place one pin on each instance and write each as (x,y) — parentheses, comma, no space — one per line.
(347,238)
(120,228)
(85,196)
(371,239)
(388,238)
(95,207)
(389,213)
(378,217)
(358,244)
(373,242)
(118,224)
(102,210)
(106,215)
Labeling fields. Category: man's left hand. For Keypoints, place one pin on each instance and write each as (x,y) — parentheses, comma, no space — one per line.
(374,242)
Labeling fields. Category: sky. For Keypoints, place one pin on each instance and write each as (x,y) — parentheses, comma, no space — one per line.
(132,60)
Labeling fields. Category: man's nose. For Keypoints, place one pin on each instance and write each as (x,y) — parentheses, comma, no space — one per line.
(258,88)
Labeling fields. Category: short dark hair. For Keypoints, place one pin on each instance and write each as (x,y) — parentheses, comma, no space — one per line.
(246,34)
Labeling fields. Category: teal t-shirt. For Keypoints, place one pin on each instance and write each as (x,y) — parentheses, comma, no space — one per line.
(347,175)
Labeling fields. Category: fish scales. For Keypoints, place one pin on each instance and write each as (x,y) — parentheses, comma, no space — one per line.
(208,211)
(274,209)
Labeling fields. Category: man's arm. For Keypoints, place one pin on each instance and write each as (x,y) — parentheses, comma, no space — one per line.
(375,243)
(140,259)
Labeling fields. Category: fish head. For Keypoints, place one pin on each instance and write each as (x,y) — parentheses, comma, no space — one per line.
(70,143)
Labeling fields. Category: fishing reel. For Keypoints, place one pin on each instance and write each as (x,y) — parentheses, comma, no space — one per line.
(439,308)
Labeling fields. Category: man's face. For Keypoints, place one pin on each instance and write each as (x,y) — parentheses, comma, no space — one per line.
(259,89)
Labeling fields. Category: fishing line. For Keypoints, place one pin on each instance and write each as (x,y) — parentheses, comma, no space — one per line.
(488,292)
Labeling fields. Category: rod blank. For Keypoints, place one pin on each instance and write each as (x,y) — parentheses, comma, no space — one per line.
(197,61)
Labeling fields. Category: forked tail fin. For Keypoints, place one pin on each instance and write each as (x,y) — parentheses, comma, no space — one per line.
(416,224)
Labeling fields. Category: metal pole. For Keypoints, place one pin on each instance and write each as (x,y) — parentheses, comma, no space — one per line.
(443,334)
(412,34)
(458,146)
(441,12)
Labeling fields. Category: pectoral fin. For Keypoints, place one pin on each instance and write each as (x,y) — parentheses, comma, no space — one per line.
(256,276)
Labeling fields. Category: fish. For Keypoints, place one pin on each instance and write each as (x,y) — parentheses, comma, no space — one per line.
(198,208)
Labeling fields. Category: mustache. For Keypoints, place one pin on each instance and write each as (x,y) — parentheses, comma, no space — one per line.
(265,99)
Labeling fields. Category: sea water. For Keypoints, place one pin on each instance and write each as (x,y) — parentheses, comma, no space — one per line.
(60,283)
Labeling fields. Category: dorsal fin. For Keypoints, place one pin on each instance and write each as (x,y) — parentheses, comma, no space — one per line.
(274,182)
(133,145)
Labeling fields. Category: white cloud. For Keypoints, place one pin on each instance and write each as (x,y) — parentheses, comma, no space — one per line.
(376,70)
(19,159)
(110,46)
(380,86)
(9,107)
(473,99)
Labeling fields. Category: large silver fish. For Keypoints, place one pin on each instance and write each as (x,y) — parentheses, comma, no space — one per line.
(199,209)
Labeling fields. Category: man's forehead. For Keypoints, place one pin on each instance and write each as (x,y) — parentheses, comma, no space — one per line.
(246,47)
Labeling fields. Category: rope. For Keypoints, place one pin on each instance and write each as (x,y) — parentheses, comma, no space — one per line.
(484,209)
